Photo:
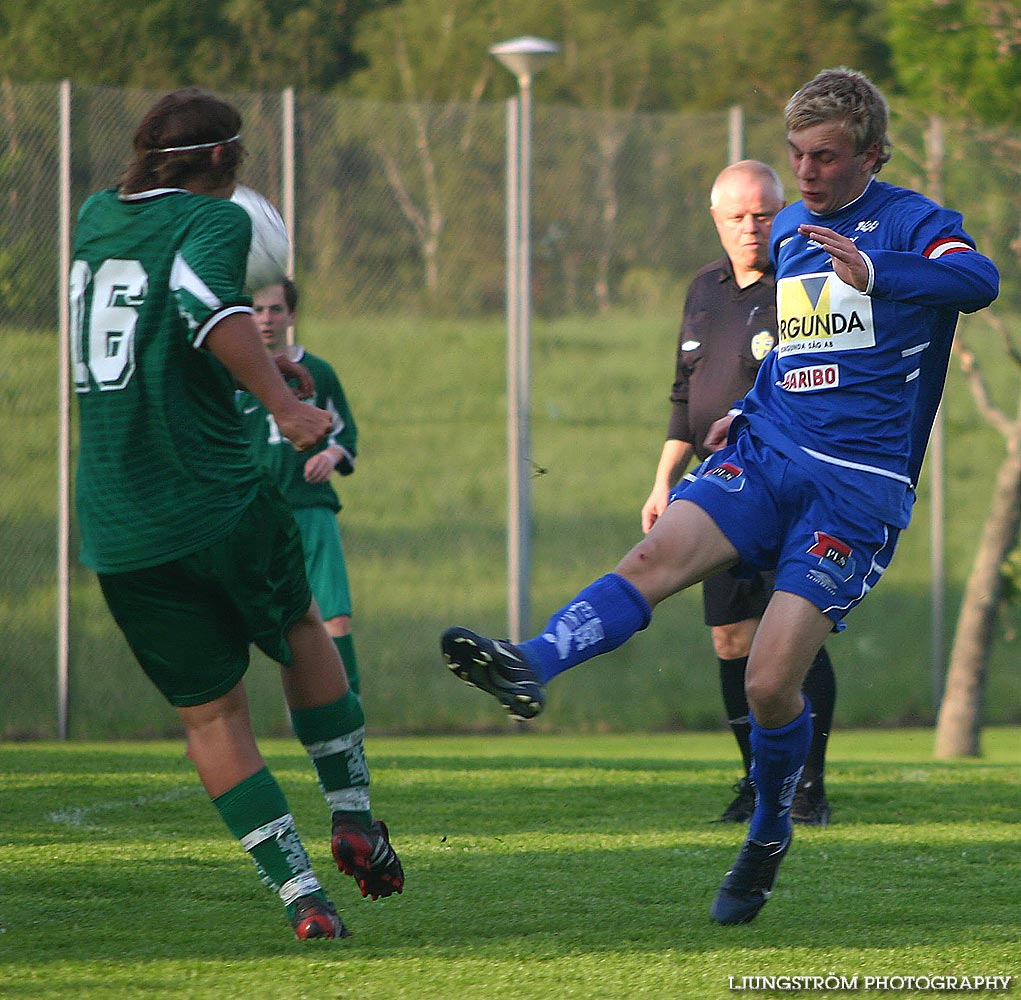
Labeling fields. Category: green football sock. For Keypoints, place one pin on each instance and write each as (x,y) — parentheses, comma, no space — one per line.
(334,737)
(256,812)
(346,647)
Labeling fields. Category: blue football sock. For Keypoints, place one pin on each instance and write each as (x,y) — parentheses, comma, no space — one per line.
(604,615)
(778,758)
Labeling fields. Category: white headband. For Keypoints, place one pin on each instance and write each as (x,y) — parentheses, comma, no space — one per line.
(197,145)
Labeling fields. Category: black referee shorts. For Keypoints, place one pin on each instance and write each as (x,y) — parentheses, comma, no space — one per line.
(726,599)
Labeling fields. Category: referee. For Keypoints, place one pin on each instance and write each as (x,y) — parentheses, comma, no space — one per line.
(728,328)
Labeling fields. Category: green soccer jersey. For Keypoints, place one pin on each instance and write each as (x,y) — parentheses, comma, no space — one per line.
(275,453)
(164,468)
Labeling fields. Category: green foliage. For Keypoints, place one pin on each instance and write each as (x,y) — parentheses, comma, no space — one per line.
(958,57)
(1011,573)
(166,43)
(649,56)
(537,867)
(28,253)
(951,56)
(756,53)
(430,50)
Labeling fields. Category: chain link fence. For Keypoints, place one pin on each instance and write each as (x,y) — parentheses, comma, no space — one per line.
(398,219)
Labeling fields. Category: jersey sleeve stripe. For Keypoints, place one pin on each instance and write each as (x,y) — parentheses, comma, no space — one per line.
(215,318)
(182,277)
(942,247)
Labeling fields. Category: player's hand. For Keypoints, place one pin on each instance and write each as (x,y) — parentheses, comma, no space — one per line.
(654,506)
(848,264)
(320,466)
(304,426)
(292,370)
(717,436)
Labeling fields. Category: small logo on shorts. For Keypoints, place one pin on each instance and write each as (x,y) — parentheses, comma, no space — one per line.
(835,552)
(726,475)
(726,472)
(823,579)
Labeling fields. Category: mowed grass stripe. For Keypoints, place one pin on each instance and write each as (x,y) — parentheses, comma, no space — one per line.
(538,867)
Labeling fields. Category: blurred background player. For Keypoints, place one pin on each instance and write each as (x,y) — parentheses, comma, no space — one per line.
(196,551)
(304,477)
(728,328)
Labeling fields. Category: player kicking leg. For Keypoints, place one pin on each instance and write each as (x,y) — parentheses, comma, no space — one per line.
(727,513)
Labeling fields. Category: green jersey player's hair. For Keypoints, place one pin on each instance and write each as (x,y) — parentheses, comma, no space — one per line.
(175,141)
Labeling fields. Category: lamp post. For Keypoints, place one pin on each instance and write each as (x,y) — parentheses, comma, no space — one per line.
(524,57)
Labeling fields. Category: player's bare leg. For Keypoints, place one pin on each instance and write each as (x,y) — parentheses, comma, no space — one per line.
(316,674)
(221,741)
(683,547)
(792,631)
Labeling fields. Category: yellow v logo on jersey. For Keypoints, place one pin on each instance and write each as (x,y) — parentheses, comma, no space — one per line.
(819,312)
(814,285)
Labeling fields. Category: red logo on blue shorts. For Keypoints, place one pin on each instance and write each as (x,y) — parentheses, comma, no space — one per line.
(726,475)
(836,553)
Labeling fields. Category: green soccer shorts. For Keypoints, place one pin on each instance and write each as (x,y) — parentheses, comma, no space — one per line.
(324,560)
(190,622)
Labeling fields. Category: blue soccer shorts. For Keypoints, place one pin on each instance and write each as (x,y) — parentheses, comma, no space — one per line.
(784,516)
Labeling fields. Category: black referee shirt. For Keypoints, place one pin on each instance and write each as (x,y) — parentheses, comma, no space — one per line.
(726,333)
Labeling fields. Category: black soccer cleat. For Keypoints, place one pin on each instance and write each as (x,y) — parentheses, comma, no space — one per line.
(315,918)
(364,853)
(741,809)
(749,884)
(810,806)
(496,667)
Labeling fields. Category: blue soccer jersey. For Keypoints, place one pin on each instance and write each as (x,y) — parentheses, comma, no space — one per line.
(852,387)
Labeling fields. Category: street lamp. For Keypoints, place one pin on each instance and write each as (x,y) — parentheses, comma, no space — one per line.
(524,57)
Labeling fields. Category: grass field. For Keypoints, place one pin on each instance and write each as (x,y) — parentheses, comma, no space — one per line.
(424,532)
(538,867)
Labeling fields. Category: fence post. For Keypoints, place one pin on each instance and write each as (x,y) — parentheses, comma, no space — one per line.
(934,156)
(287,180)
(64,431)
(287,171)
(735,134)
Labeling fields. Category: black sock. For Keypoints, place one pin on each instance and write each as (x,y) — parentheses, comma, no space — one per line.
(820,688)
(736,705)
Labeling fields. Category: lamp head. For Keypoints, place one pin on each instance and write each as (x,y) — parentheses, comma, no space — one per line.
(525,56)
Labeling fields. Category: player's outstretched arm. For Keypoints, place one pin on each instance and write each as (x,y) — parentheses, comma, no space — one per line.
(235,341)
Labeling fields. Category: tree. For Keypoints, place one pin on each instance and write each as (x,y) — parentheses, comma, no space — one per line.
(958,727)
(436,52)
(960,717)
(431,58)
(958,57)
(756,53)
(232,44)
(616,60)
